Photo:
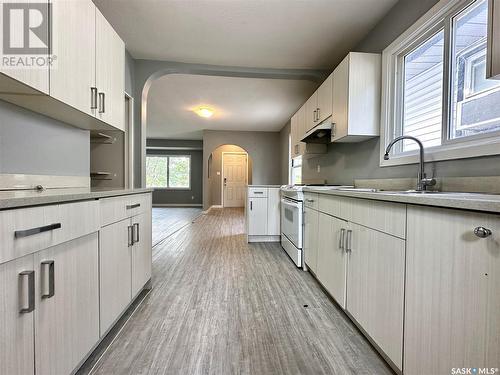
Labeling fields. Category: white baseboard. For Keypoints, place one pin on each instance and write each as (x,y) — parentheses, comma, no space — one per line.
(176,205)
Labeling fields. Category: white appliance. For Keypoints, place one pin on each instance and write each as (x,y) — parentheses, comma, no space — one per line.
(292,220)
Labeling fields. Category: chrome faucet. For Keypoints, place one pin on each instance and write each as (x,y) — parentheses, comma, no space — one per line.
(422,180)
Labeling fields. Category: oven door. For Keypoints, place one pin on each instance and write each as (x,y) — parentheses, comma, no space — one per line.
(291,221)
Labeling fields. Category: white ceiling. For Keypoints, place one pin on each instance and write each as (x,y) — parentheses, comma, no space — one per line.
(312,34)
(240,104)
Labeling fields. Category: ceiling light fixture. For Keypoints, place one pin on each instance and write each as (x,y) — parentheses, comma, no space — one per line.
(206,112)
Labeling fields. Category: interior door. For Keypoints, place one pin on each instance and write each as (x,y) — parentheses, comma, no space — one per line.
(234,176)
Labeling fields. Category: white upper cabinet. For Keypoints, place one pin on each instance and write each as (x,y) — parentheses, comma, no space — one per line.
(35,79)
(110,73)
(493,56)
(356,97)
(311,111)
(325,92)
(72,79)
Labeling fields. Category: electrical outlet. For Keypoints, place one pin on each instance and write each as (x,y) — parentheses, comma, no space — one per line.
(192,197)
(318,168)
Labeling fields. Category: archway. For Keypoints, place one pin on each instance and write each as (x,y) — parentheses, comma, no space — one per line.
(229,171)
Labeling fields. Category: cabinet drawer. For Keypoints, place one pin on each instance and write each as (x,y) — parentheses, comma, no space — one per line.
(115,209)
(27,230)
(329,204)
(311,200)
(257,192)
(385,217)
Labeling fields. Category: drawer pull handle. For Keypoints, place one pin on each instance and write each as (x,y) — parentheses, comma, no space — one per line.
(30,293)
(136,233)
(48,279)
(32,231)
(131,206)
(258,192)
(482,232)
(93,98)
(310,200)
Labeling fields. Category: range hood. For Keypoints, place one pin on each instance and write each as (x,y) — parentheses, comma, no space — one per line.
(321,133)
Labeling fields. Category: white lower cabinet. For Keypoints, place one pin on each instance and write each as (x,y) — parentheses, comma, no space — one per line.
(311,220)
(17,349)
(115,255)
(332,258)
(375,287)
(257,216)
(67,304)
(141,251)
(452,292)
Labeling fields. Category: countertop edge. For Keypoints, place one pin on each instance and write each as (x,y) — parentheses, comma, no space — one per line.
(64,197)
(470,204)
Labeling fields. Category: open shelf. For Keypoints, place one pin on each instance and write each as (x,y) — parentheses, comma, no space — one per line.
(97,137)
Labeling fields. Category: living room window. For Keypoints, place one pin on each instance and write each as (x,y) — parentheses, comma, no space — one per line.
(435,86)
(168,171)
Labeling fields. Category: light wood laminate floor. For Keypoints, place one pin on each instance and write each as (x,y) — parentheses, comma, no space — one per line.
(222,306)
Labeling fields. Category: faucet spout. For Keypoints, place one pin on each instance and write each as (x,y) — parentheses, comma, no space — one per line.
(422,181)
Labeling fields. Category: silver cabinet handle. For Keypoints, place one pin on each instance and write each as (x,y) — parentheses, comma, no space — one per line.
(93,98)
(29,305)
(131,206)
(102,104)
(341,241)
(348,241)
(47,271)
(318,113)
(310,200)
(251,205)
(130,233)
(32,231)
(482,232)
(136,233)
(314,116)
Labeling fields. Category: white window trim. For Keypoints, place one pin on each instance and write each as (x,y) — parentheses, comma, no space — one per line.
(168,168)
(431,22)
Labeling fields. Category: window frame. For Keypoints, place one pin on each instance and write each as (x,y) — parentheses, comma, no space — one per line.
(440,17)
(168,156)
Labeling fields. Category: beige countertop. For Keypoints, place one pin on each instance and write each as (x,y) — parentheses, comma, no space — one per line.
(464,201)
(264,186)
(25,198)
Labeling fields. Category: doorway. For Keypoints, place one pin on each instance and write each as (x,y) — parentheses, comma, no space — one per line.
(234,178)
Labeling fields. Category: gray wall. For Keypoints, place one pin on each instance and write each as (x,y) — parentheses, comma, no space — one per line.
(180,197)
(262,147)
(34,144)
(345,162)
(284,146)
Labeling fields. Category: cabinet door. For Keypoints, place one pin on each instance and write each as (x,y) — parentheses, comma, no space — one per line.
(310,120)
(273,212)
(332,258)
(311,238)
(110,73)
(325,92)
(73,76)
(452,291)
(36,78)
(294,131)
(257,216)
(375,287)
(340,100)
(141,251)
(67,314)
(17,355)
(115,270)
